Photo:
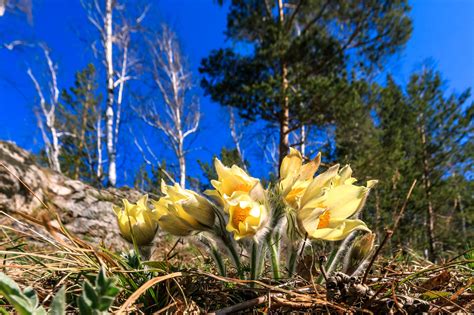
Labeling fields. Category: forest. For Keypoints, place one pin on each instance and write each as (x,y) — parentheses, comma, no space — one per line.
(283,165)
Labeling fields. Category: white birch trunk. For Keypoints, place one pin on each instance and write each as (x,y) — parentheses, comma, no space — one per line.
(180,116)
(109,113)
(99,145)
(51,135)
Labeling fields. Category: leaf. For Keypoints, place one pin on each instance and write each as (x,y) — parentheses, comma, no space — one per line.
(433,295)
(437,281)
(25,303)
(160,265)
(58,305)
(97,299)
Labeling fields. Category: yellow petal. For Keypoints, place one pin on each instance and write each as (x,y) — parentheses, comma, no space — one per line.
(143,202)
(345,200)
(200,209)
(246,216)
(372,183)
(309,169)
(344,174)
(257,193)
(338,230)
(307,220)
(175,225)
(315,188)
(291,163)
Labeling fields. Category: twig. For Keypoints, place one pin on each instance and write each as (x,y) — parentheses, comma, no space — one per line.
(244,305)
(389,233)
(168,254)
(322,260)
(402,210)
(145,287)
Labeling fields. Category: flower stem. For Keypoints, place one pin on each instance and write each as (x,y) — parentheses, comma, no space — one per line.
(273,246)
(144,252)
(254,261)
(219,262)
(227,240)
(292,259)
(233,253)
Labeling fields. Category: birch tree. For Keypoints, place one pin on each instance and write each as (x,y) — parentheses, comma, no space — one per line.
(177,115)
(46,115)
(236,136)
(115,29)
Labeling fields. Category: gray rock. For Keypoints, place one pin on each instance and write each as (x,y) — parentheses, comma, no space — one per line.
(84,210)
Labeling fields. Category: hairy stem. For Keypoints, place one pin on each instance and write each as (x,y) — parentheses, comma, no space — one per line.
(219,262)
(275,259)
(254,261)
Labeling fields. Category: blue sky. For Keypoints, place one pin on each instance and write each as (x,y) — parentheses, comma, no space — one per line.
(443,35)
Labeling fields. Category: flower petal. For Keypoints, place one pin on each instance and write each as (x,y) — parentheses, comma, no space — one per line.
(309,169)
(314,189)
(345,200)
(175,225)
(339,230)
(291,163)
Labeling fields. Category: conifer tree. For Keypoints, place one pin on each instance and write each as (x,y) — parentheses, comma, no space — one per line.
(290,60)
(414,132)
(80,116)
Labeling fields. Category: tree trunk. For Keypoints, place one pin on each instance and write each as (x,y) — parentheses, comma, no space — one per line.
(235,137)
(99,145)
(284,144)
(109,114)
(56,148)
(303,140)
(427,186)
(463,216)
(182,170)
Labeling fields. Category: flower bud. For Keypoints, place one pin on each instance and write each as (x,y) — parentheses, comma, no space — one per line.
(181,211)
(360,250)
(230,180)
(246,216)
(136,221)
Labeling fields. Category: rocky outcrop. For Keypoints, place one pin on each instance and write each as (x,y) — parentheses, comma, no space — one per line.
(84,210)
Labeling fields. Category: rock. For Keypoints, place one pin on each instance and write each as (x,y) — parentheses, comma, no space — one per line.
(84,210)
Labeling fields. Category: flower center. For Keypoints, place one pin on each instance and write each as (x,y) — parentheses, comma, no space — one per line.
(239,215)
(324,220)
(243,187)
(294,194)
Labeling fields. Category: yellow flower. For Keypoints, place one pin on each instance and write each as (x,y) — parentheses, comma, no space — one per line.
(246,216)
(329,200)
(296,176)
(136,221)
(229,181)
(182,211)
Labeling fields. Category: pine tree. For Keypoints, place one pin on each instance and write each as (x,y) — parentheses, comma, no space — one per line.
(80,116)
(444,124)
(414,132)
(290,60)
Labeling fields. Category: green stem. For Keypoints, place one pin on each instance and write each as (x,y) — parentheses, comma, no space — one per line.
(228,242)
(219,262)
(235,256)
(144,252)
(273,246)
(294,252)
(254,261)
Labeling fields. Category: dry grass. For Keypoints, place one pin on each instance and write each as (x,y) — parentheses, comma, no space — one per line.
(46,259)
(181,278)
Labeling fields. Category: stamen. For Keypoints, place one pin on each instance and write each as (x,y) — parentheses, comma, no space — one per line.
(324,220)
